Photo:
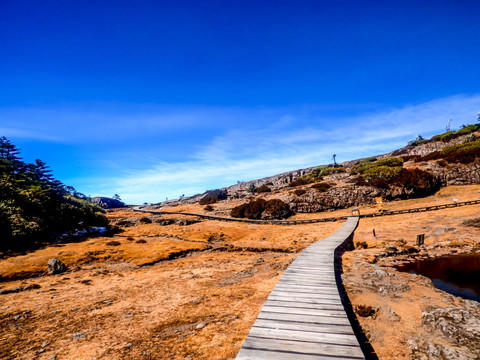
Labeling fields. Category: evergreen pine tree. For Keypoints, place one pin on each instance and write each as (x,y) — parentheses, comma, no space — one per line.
(11,154)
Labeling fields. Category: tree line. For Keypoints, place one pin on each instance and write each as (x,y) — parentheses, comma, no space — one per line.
(34,206)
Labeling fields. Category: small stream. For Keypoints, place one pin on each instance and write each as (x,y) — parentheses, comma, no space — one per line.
(456,274)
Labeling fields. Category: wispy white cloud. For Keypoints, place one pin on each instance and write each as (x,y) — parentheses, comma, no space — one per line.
(288,141)
(77,123)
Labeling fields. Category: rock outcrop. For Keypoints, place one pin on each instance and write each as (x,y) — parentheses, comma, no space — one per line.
(108,203)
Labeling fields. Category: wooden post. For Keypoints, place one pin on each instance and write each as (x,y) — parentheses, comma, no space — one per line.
(380,204)
(420,239)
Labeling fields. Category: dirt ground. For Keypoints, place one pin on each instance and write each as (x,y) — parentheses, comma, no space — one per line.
(150,292)
(397,302)
(156,291)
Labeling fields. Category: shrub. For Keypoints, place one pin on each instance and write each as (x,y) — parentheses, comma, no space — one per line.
(145,220)
(389,172)
(277,209)
(449,135)
(321,187)
(208,208)
(327,170)
(263,189)
(389,161)
(370,167)
(361,245)
(465,153)
(299,192)
(301,181)
(274,209)
(317,175)
(422,183)
(213,196)
(409,157)
(383,173)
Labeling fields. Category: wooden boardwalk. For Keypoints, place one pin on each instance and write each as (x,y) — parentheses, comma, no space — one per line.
(303,318)
(307,221)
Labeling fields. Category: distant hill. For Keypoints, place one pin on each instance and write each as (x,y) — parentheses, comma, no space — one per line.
(419,169)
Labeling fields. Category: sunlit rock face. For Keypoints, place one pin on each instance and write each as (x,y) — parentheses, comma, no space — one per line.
(109,202)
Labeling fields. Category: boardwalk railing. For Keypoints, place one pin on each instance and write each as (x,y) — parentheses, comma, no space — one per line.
(304,317)
(308,221)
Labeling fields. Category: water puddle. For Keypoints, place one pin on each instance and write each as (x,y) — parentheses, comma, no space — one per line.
(456,274)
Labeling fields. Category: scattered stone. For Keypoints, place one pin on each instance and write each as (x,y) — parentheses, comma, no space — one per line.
(391,315)
(201,326)
(460,325)
(19,288)
(113,243)
(53,357)
(45,344)
(259,261)
(129,345)
(186,222)
(74,309)
(56,312)
(55,266)
(16,317)
(429,350)
(164,222)
(141,241)
(361,245)
(127,315)
(78,336)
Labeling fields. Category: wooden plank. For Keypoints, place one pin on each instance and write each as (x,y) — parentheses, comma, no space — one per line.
(317,280)
(311,300)
(304,347)
(304,318)
(302,335)
(296,325)
(301,287)
(304,305)
(298,295)
(257,354)
(313,319)
(303,311)
(308,295)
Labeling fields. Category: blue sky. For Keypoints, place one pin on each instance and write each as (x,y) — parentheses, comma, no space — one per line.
(150,99)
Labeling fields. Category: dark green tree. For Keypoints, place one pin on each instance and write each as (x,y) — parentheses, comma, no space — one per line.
(34,206)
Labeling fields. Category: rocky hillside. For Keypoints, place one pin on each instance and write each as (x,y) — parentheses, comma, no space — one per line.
(417,170)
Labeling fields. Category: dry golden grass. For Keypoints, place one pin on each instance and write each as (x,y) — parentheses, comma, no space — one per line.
(201,304)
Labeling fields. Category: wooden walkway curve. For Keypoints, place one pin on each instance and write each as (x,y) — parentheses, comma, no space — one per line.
(304,318)
(306,221)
